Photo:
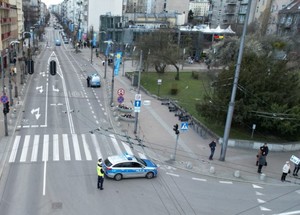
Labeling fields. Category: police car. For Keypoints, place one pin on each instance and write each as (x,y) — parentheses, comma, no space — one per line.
(94,80)
(128,166)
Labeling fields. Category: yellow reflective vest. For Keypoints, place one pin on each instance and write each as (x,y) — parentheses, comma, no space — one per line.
(100,171)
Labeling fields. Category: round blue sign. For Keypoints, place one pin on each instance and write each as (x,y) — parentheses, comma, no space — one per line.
(4,99)
(120,99)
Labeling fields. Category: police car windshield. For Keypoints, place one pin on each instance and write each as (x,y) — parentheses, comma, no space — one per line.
(107,162)
(141,161)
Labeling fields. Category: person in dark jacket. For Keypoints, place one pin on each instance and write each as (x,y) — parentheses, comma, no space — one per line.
(296,169)
(261,163)
(212,147)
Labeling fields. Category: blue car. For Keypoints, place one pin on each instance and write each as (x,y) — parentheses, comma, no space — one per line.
(128,166)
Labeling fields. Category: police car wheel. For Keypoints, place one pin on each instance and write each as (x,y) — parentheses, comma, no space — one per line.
(149,175)
(118,177)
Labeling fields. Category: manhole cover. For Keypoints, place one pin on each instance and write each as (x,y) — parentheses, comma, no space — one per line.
(57,205)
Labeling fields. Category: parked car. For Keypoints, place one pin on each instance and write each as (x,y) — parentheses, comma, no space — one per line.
(128,166)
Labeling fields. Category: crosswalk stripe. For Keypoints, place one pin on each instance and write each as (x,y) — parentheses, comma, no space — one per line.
(14,149)
(127,148)
(35,148)
(76,147)
(96,145)
(45,147)
(55,147)
(86,148)
(141,155)
(66,147)
(25,148)
(115,143)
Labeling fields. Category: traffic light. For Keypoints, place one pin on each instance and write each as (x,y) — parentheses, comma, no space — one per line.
(6,108)
(53,67)
(175,128)
(30,67)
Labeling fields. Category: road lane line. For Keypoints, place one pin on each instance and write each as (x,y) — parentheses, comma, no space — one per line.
(96,145)
(141,155)
(76,147)
(55,147)
(199,179)
(66,147)
(45,147)
(115,143)
(35,148)
(25,148)
(168,173)
(14,150)
(44,181)
(86,148)
(225,182)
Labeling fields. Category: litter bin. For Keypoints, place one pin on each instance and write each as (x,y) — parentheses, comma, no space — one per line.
(135,79)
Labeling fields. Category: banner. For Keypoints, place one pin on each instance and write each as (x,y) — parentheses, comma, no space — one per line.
(79,34)
(107,48)
(94,40)
(118,58)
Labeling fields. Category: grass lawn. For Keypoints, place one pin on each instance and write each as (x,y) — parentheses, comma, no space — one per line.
(191,91)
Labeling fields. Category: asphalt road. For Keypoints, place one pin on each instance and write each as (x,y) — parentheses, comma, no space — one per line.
(65,127)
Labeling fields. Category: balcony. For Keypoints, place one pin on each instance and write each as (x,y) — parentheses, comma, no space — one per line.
(5,21)
(5,36)
(4,5)
(231,2)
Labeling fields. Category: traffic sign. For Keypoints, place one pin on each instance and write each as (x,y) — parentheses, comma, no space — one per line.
(184,126)
(137,109)
(138,97)
(121,92)
(295,159)
(120,99)
(4,99)
(137,103)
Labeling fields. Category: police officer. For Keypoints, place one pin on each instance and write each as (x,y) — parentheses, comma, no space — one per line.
(100,173)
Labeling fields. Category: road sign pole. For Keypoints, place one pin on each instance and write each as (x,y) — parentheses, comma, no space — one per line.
(139,80)
(5,123)
(174,156)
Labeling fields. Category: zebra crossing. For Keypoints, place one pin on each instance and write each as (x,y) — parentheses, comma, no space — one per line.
(66,147)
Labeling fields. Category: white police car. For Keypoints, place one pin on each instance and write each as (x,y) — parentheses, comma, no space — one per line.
(94,80)
(128,166)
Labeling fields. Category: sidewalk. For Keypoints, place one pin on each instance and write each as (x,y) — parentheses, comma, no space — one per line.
(155,131)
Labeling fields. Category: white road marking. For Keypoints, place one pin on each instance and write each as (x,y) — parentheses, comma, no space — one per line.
(260,201)
(172,174)
(55,147)
(96,145)
(127,148)
(76,147)
(264,209)
(256,186)
(25,148)
(46,147)
(225,182)
(86,148)
(44,181)
(115,143)
(259,194)
(66,147)
(199,179)
(35,148)
(141,155)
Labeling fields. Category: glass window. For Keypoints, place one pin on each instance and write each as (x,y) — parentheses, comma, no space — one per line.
(136,165)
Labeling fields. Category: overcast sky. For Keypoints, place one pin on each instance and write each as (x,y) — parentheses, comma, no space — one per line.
(49,2)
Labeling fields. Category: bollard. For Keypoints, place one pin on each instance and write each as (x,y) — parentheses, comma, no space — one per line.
(189,165)
(237,174)
(212,170)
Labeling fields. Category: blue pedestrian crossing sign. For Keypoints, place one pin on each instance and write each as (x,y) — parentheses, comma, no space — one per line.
(184,126)
(137,103)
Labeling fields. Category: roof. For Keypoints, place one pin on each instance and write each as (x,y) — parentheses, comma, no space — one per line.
(207,30)
(293,7)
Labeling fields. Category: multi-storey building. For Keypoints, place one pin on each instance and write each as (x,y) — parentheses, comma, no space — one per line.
(289,19)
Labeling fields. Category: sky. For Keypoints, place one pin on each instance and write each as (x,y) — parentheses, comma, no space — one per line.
(50,2)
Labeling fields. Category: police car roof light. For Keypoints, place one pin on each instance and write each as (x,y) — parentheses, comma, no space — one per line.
(128,157)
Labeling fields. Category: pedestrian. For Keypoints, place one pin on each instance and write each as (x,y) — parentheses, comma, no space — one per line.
(285,170)
(100,173)
(88,81)
(261,163)
(264,151)
(212,147)
(296,169)
(259,153)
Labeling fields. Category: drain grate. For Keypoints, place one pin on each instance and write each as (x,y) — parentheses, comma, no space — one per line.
(57,205)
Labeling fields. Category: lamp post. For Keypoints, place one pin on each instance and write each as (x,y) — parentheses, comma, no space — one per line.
(91,43)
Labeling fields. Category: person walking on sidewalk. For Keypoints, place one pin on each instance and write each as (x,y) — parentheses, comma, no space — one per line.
(264,151)
(212,147)
(261,163)
(100,173)
(285,170)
